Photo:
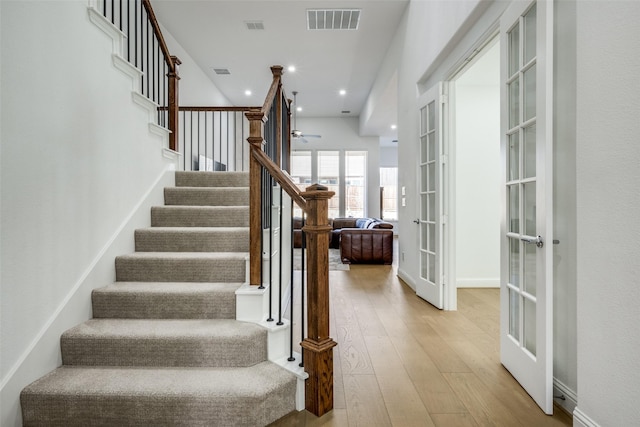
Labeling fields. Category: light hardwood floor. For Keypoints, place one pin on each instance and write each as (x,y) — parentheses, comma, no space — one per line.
(401,362)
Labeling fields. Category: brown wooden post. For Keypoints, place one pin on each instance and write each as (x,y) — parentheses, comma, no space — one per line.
(256,142)
(276,70)
(318,346)
(174,104)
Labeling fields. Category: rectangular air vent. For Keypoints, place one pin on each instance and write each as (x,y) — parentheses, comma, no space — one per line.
(254,25)
(333,19)
(221,70)
(346,111)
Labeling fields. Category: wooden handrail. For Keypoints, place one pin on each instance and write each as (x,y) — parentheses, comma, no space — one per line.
(187,108)
(170,60)
(281,178)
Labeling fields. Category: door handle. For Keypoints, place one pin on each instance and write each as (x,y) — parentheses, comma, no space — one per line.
(417,221)
(538,241)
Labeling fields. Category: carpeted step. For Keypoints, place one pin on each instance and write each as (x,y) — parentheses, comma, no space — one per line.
(181,267)
(158,300)
(186,343)
(200,216)
(206,196)
(212,179)
(74,396)
(192,239)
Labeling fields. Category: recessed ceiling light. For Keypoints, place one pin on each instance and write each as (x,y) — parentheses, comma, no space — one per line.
(291,68)
(299,109)
(393,126)
(247,92)
(343,92)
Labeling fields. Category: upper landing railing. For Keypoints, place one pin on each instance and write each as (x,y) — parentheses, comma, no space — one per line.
(146,49)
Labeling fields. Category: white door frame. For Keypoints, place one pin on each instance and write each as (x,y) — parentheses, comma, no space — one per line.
(448,143)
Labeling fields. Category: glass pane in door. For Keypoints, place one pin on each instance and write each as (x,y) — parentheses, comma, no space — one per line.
(514,157)
(514,314)
(530,268)
(529,190)
(530,34)
(529,325)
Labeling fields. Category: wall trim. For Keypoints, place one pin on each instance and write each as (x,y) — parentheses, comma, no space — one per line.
(580,419)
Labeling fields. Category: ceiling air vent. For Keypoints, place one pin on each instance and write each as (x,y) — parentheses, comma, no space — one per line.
(221,70)
(254,25)
(346,111)
(333,19)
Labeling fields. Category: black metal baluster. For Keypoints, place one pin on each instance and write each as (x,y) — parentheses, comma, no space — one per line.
(120,13)
(270,216)
(262,203)
(291,288)
(302,277)
(280,254)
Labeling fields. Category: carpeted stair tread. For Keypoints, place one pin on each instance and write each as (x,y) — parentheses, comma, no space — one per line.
(99,396)
(165,300)
(192,239)
(162,342)
(200,216)
(181,267)
(206,196)
(212,179)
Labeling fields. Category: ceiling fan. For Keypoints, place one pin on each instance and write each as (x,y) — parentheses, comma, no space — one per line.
(295,133)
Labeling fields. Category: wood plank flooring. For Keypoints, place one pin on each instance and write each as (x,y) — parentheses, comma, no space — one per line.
(401,362)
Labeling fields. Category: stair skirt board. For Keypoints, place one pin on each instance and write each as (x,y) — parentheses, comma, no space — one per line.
(166,345)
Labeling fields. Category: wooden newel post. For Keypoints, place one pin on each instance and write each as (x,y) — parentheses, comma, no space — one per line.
(256,142)
(174,105)
(318,346)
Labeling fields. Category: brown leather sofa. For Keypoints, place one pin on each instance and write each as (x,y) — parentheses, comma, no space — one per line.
(360,240)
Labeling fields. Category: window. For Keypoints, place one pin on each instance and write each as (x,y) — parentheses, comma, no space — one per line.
(329,176)
(355,183)
(301,174)
(343,172)
(389,193)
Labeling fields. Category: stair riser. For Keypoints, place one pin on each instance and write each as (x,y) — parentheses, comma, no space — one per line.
(175,241)
(199,217)
(190,196)
(165,352)
(180,270)
(212,179)
(205,305)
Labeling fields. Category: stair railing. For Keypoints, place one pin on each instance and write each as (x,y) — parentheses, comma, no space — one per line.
(145,48)
(214,138)
(269,141)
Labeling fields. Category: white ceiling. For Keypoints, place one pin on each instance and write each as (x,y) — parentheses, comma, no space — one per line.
(214,33)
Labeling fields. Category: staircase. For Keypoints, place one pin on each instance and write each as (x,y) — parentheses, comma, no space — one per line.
(164,347)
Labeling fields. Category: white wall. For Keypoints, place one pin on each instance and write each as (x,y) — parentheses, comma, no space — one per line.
(608,202)
(343,134)
(79,171)
(476,147)
(195,87)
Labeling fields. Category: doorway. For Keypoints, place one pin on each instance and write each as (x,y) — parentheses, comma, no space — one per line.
(475,199)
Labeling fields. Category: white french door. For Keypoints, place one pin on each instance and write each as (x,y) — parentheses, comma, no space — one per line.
(526,312)
(429,285)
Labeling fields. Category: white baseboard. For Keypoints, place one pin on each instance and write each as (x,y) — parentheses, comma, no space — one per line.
(478,283)
(567,398)
(580,419)
(407,278)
